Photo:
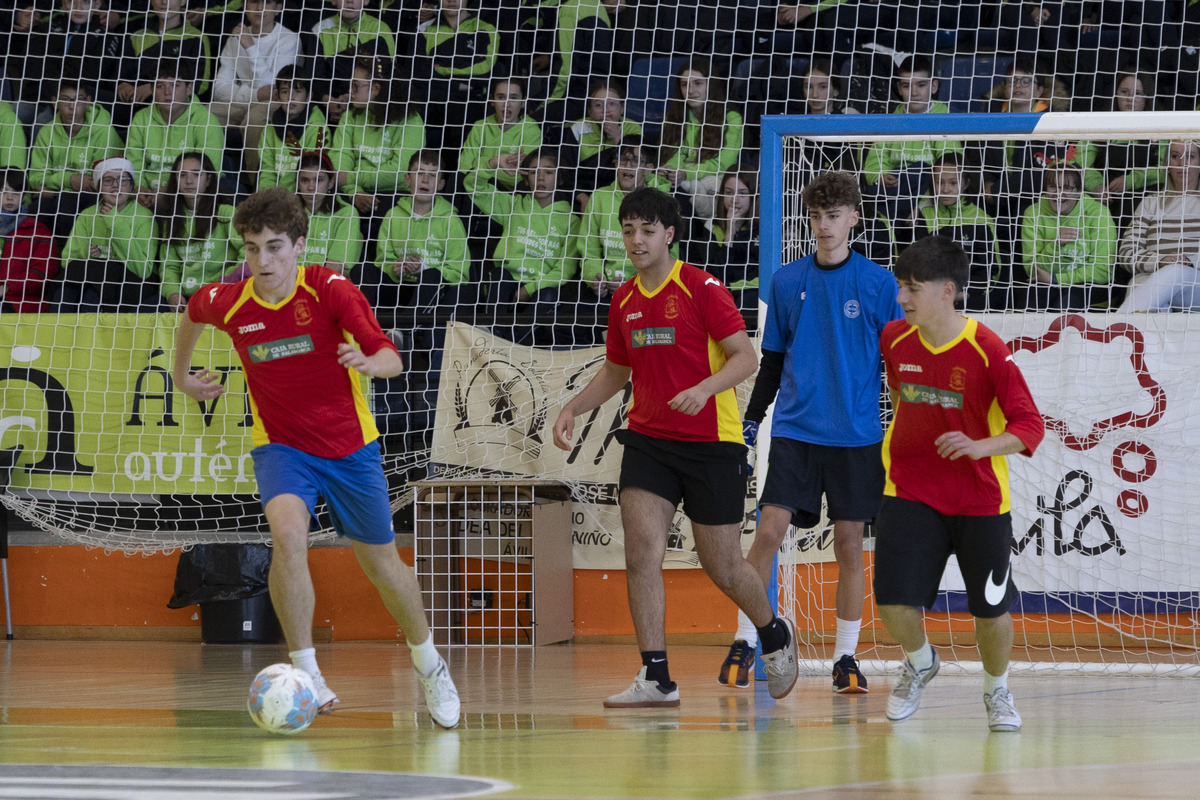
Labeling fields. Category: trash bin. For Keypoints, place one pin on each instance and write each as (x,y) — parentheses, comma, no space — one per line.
(229,583)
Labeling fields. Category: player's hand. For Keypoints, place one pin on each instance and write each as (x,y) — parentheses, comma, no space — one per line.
(690,401)
(350,356)
(202,385)
(956,444)
(564,430)
(750,432)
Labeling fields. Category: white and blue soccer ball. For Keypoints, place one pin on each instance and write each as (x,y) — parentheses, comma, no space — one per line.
(283,699)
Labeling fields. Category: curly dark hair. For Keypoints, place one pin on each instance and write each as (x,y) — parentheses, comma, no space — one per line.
(832,189)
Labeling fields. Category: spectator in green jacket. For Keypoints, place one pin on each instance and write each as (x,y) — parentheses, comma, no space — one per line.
(702,136)
(537,252)
(334,236)
(14,151)
(503,139)
(1068,244)
(196,244)
(592,143)
(296,126)
(350,34)
(160,37)
(176,123)
(109,255)
(453,67)
(64,152)
(374,141)
(423,243)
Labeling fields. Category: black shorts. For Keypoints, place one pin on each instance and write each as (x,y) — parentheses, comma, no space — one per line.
(798,473)
(710,477)
(912,543)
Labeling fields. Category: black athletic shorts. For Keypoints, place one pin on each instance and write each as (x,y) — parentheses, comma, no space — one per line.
(710,477)
(912,543)
(798,473)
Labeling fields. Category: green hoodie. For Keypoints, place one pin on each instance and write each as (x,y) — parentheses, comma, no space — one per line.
(13,150)
(486,140)
(336,236)
(279,159)
(376,157)
(439,238)
(538,246)
(592,139)
(191,263)
(686,158)
(886,157)
(153,144)
(125,234)
(602,246)
(1088,259)
(570,14)
(56,156)
(336,36)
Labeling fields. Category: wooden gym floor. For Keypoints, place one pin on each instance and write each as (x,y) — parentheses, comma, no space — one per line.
(118,721)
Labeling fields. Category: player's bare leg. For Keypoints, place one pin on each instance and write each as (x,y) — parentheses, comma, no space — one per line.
(397,586)
(291,587)
(645,519)
(906,625)
(721,557)
(773,524)
(995,639)
(289,581)
(852,581)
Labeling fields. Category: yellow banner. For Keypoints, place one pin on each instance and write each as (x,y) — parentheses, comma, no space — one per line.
(90,400)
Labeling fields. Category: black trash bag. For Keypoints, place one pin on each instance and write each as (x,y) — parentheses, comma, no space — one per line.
(211,573)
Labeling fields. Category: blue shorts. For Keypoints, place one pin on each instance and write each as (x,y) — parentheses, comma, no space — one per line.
(354,487)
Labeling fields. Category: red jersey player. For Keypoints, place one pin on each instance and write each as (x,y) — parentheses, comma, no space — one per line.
(312,432)
(676,330)
(961,405)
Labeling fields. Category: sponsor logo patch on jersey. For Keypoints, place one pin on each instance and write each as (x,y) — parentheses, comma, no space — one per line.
(647,337)
(930,395)
(281,348)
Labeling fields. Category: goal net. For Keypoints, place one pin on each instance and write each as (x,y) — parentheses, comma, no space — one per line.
(1104,552)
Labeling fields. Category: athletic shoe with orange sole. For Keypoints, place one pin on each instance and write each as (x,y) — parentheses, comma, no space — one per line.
(847,678)
(735,671)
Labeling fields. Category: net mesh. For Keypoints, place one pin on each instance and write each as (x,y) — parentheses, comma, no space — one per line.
(128,133)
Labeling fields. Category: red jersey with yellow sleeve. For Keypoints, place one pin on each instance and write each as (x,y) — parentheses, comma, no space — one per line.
(670,338)
(300,395)
(970,384)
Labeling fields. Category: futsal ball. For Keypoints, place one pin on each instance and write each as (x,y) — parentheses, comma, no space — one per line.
(283,699)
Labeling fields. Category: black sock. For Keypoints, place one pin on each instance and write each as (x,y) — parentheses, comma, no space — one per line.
(773,636)
(655,662)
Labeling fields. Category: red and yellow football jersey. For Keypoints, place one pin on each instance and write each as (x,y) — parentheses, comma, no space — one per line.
(300,395)
(970,384)
(670,338)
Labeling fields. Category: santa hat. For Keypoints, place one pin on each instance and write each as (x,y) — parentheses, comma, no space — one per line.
(111,164)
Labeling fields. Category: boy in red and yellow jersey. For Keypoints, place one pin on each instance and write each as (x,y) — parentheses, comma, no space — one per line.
(961,405)
(313,435)
(677,332)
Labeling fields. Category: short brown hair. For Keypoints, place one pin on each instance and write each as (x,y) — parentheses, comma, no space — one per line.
(276,208)
(832,189)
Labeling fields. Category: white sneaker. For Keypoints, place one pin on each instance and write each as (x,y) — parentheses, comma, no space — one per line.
(1002,711)
(781,666)
(905,698)
(441,696)
(644,694)
(326,699)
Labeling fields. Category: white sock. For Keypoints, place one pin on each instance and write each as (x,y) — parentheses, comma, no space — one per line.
(306,660)
(993,682)
(746,630)
(425,656)
(921,658)
(846,643)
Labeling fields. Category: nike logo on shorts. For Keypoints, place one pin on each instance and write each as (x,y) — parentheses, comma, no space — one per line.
(994,593)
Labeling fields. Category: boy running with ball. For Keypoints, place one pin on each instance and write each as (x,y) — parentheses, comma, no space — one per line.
(313,434)
(960,406)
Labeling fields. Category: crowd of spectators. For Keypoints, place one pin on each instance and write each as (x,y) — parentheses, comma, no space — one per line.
(471,154)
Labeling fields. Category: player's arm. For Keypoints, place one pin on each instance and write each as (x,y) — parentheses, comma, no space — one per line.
(766,385)
(383,363)
(202,385)
(609,380)
(956,444)
(740,363)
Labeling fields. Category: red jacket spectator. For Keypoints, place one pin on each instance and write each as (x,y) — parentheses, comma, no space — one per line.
(28,261)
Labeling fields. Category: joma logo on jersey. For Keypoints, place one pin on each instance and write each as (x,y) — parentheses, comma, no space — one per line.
(910,368)
(281,348)
(633,316)
(646,337)
(930,395)
(257,326)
